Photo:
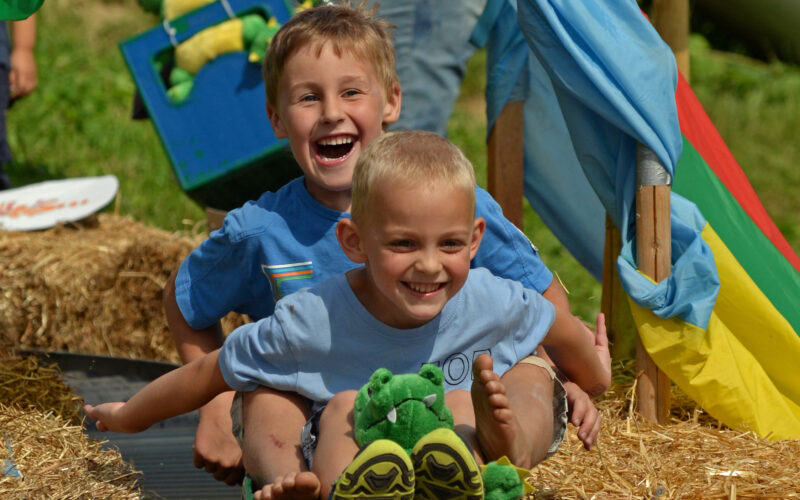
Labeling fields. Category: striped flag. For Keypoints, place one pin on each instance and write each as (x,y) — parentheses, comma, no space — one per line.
(597,80)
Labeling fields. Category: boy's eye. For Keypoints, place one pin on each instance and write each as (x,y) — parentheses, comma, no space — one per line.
(309,98)
(351,93)
(452,245)
(402,244)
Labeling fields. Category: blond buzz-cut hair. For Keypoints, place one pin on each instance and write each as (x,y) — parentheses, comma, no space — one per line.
(348,29)
(408,157)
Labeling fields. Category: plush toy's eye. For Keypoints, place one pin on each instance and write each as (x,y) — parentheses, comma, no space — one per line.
(369,392)
(432,373)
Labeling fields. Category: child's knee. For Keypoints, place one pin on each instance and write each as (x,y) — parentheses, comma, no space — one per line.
(339,406)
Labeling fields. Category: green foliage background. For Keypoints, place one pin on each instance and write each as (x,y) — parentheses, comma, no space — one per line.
(77,123)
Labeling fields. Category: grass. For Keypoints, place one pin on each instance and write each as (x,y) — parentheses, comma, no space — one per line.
(78,123)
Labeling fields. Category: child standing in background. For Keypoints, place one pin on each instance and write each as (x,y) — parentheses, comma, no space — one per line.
(17,77)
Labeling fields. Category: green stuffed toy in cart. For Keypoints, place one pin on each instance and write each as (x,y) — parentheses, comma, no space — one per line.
(402,408)
(407,408)
(250,33)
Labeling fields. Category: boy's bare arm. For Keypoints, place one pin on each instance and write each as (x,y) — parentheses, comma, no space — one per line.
(556,294)
(583,361)
(22,76)
(582,412)
(179,391)
(190,342)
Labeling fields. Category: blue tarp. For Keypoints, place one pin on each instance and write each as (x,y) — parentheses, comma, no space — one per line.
(596,79)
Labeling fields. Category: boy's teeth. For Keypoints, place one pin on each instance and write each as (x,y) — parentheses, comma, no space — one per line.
(335,147)
(423,287)
(335,141)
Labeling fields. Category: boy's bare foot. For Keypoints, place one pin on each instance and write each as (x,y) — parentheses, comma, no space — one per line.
(499,432)
(300,486)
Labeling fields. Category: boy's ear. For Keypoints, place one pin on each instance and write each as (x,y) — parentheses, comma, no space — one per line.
(478,228)
(350,240)
(391,110)
(278,128)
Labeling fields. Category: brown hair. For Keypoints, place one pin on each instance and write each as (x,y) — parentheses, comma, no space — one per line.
(346,28)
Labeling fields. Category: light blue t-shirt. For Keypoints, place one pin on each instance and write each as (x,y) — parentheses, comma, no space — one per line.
(321,340)
(286,241)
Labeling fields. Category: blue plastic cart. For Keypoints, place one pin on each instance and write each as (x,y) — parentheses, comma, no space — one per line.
(219,141)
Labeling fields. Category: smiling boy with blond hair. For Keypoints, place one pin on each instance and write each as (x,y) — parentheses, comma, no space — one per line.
(414,299)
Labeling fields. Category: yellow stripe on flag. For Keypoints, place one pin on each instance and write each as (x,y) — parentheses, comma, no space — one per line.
(743,368)
(755,321)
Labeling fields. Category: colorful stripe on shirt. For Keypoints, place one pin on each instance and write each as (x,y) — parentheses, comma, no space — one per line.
(279,273)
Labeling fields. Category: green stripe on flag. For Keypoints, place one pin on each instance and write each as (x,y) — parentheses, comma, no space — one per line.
(767,267)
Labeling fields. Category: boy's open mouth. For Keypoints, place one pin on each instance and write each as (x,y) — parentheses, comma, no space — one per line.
(334,148)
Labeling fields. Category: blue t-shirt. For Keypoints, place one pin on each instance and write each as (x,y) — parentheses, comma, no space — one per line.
(286,241)
(321,340)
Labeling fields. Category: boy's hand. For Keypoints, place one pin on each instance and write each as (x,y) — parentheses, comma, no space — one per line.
(109,417)
(22,78)
(582,414)
(600,340)
(215,448)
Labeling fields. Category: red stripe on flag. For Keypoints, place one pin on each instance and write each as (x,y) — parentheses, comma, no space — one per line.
(698,129)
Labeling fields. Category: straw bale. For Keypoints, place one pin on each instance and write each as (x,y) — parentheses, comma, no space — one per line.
(55,459)
(94,287)
(27,382)
(97,288)
(635,458)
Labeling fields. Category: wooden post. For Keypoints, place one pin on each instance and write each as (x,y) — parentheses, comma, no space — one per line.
(614,302)
(654,257)
(671,19)
(505,162)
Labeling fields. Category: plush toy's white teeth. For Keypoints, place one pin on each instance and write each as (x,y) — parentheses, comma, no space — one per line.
(392,415)
(429,400)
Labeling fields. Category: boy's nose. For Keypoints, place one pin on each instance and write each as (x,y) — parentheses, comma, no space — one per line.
(332,111)
(428,262)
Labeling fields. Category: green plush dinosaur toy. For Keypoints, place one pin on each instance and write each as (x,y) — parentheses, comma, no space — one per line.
(402,408)
(407,407)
